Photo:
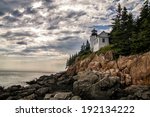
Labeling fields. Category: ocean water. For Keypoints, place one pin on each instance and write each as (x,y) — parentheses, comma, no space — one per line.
(18,78)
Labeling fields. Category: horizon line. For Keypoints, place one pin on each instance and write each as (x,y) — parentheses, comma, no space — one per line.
(27,71)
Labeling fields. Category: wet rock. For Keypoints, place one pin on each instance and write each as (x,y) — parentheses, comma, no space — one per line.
(34,86)
(27,92)
(60,74)
(31,82)
(51,81)
(14,88)
(66,84)
(1,88)
(4,96)
(43,91)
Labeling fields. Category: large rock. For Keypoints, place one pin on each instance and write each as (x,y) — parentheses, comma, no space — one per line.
(84,81)
(1,88)
(94,85)
(140,70)
(4,95)
(97,63)
(137,92)
(26,92)
(63,95)
(49,96)
(34,86)
(111,65)
(105,88)
(30,97)
(14,88)
(42,91)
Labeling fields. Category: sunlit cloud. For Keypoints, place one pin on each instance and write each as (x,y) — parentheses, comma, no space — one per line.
(51,30)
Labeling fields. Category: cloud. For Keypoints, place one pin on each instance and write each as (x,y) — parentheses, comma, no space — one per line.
(16,13)
(63,45)
(9,5)
(16,35)
(22,43)
(54,28)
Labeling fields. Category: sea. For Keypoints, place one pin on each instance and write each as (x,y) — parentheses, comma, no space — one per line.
(9,78)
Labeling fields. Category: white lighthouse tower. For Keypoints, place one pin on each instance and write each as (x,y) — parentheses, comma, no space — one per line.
(98,41)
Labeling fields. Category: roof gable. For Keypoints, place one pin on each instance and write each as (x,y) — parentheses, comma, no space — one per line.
(103,34)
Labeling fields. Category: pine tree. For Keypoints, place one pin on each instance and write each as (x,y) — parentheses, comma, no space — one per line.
(141,41)
(83,47)
(124,19)
(87,47)
(116,28)
(122,31)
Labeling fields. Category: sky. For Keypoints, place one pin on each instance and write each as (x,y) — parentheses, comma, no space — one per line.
(40,35)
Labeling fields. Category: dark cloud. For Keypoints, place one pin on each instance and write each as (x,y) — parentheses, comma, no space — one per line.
(71,32)
(11,19)
(49,1)
(52,27)
(17,13)
(31,49)
(15,35)
(9,5)
(30,10)
(75,14)
(21,43)
(70,44)
(67,38)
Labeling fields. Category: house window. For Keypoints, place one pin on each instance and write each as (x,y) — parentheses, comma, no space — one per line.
(103,40)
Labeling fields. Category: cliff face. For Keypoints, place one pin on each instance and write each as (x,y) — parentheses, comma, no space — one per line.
(133,70)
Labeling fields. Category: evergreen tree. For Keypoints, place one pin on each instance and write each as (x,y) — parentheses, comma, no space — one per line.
(124,19)
(122,31)
(83,47)
(130,25)
(141,40)
(87,46)
(116,26)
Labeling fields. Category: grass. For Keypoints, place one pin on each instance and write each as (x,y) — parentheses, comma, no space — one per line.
(85,55)
(105,49)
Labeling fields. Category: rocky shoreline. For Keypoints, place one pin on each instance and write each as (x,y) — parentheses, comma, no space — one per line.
(87,85)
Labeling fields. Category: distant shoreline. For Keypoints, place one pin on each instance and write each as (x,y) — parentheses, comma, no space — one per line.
(28,71)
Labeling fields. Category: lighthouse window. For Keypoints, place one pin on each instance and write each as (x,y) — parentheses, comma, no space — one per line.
(103,40)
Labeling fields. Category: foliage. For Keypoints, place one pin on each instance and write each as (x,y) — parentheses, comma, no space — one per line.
(105,49)
(131,36)
(141,37)
(84,52)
